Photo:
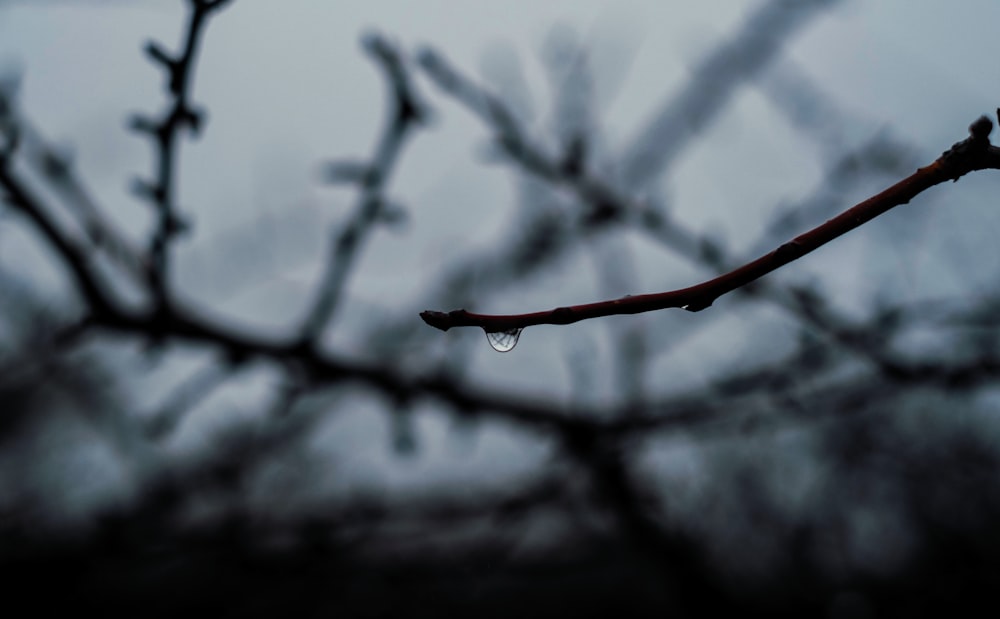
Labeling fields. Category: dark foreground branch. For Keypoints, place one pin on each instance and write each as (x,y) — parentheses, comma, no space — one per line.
(973,153)
(165,132)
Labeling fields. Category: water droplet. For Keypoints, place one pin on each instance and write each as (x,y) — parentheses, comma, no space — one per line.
(503,341)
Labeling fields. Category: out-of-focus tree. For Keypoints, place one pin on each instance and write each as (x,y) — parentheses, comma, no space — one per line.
(840,458)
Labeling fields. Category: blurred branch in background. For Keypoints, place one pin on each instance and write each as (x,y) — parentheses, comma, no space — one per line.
(819,476)
(372,177)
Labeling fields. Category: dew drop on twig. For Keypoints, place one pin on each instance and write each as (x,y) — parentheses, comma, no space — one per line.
(503,341)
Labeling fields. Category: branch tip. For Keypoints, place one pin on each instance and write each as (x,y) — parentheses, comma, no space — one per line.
(980,128)
(156,53)
(973,153)
(438,320)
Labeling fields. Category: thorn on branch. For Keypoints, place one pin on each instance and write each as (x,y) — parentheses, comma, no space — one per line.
(191,117)
(159,55)
(141,123)
(408,110)
(147,190)
(980,128)
(964,156)
(177,225)
(438,320)
(787,252)
(393,214)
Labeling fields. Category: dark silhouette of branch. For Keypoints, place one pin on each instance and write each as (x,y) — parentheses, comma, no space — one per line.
(57,167)
(973,153)
(70,252)
(165,132)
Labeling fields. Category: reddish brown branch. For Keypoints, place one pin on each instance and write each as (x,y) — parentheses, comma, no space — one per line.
(973,153)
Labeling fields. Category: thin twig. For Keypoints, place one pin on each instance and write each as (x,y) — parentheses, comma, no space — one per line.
(405,114)
(973,153)
(57,167)
(180,115)
(71,253)
(194,389)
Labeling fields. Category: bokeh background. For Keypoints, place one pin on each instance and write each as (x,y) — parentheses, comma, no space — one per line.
(825,442)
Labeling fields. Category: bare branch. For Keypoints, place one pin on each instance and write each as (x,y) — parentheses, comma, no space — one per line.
(973,153)
(180,115)
(406,112)
(70,253)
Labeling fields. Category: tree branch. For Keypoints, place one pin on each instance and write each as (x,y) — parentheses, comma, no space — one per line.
(973,153)
(164,132)
(57,167)
(406,112)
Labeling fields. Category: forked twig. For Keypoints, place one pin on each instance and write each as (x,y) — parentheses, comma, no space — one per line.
(971,154)
(405,114)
